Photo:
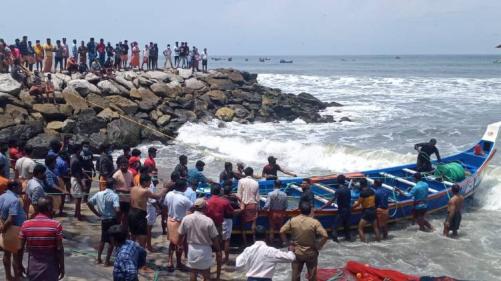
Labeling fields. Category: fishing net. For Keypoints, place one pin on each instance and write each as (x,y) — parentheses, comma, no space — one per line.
(453,172)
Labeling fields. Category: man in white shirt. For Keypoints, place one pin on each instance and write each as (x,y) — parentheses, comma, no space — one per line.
(248,192)
(178,206)
(168,57)
(25,165)
(260,260)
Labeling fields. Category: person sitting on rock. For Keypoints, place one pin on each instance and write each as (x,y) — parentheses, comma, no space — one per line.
(38,89)
(71,65)
(19,73)
(82,68)
(96,67)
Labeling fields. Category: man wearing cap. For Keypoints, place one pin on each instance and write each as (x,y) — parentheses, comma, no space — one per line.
(12,216)
(196,177)
(201,235)
(150,161)
(270,170)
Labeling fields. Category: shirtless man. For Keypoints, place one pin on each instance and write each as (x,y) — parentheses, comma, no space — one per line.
(454,209)
(139,196)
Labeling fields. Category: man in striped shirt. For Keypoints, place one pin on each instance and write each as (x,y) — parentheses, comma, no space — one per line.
(42,237)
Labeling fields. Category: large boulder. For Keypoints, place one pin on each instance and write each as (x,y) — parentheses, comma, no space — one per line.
(183,115)
(98,139)
(83,87)
(108,88)
(217,97)
(40,144)
(157,75)
(17,113)
(6,121)
(185,73)
(97,102)
(220,84)
(124,104)
(240,111)
(124,82)
(87,122)
(124,132)
(54,111)
(73,98)
(194,84)
(311,100)
(92,78)
(225,113)
(167,90)
(68,126)
(9,85)
(236,77)
(148,100)
(55,125)
(174,77)
(128,75)
(21,132)
(163,120)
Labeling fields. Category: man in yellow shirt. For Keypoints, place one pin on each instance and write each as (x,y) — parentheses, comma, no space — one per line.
(49,50)
(39,55)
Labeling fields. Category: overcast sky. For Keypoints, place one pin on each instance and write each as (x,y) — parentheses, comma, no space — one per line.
(269,27)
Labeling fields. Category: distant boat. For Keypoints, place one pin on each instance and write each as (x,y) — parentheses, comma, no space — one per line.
(261,59)
(246,59)
(286,61)
(397,57)
(230,59)
(497,61)
(267,59)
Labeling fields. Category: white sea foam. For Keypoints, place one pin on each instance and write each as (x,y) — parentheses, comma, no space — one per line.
(489,195)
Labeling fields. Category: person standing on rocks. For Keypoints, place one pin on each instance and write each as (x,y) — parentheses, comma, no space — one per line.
(205,58)
(59,56)
(202,236)
(168,57)
(66,53)
(125,54)
(248,193)
(82,53)
(74,50)
(49,51)
(177,52)
(124,182)
(39,55)
(146,56)
(105,205)
(42,237)
(91,49)
(134,61)
(118,56)
(101,51)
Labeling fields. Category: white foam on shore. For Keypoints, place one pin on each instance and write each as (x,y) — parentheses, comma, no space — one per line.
(489,195)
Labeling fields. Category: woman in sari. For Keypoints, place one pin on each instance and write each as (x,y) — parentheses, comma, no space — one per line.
(49,50)
(134,61)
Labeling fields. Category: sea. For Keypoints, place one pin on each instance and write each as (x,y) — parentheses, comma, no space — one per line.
(393,102)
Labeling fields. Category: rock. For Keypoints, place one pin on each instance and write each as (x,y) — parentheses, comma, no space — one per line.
(185,73)
(157,75)
(163,120)
(345,119)
(17,113)
(87,122)
(240,111)
(237,96)
(124,82)
(97,102)
(333,104)
(108,88)
(37,116)
(54,112)
(200,106)
(194,84)
(73,98)
(123,90)
(108,114)
(218,97)
(183,115)
(55,125)
(98,139)
(172,77)
(22,132)
(92,78)
(24,96)
(185,102)
(236,77)
(6,121)
(141,115)
(9,85)
(249,77)
(310,99)
(148,100)
(225,113)
(155,114)
(145,82)
(4,97)
(129,75)
(68,126)
(165,108)
(124,132)
(135,82)
(170,90)
(220,84)
(124,104)
(83,87)
(40,144)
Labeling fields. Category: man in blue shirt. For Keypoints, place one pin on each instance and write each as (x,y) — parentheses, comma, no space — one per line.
(11,215)
(196,177)
(382,216)
(61,169)
(420,194)
(4,161)
(342,197)
(129,255)
(105,204)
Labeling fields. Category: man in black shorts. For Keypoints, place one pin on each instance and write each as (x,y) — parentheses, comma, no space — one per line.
(368,202)
(105,204)
(270,171)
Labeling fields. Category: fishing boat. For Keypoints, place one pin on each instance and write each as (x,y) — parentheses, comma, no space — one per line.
(286,61)
(474,161)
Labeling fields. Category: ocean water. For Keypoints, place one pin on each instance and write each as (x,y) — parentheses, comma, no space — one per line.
(393,103)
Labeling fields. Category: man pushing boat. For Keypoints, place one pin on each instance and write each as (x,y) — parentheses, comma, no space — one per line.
(425,150)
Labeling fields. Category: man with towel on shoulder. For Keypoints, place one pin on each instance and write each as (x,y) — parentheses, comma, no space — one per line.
(178,206)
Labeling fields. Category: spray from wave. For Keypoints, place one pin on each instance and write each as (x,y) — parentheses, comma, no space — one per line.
(489,194)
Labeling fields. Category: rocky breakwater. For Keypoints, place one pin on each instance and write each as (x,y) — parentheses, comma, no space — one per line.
(135,106)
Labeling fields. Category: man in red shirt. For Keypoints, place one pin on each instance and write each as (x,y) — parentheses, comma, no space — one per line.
(42,237)
(150,161)
(217,209)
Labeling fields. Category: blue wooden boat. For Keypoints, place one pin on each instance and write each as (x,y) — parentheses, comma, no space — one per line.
(400,177)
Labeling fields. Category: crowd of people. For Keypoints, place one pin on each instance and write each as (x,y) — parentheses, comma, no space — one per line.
(131,198)
(24,59)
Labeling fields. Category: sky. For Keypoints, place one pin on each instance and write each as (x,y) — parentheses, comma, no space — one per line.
(269,27)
